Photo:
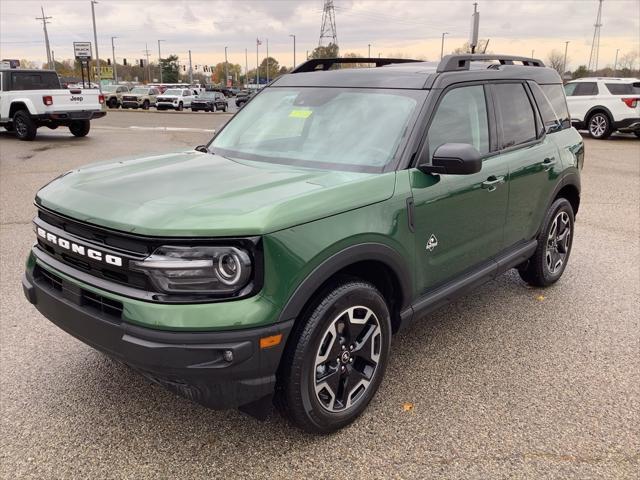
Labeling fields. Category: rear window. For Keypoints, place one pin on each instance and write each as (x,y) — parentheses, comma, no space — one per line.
(623,88)
(517,117)
(35,81)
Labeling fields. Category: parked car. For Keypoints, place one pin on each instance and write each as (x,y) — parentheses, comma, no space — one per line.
(244,96)
(604,105)
(278,260)
(176,99)
(113,95)
(209,102)
(140,97)
(30,99)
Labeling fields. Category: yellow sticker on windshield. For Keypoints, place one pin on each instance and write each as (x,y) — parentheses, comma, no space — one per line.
(300,113)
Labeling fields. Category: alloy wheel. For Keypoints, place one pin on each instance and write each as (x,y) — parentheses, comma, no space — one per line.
(347,358)
(598,125)
(558,242)
(20,126)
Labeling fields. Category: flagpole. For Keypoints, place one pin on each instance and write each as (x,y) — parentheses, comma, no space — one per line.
(257,66)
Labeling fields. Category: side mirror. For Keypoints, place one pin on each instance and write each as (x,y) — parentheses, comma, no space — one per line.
(454,159)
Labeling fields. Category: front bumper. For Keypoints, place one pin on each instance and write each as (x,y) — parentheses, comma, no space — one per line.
(167,105)
(217,369)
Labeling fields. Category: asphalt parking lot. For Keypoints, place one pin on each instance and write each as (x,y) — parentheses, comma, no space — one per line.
(509,382)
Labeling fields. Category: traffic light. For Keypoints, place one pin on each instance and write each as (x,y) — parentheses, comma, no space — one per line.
(141,63)
(124,61)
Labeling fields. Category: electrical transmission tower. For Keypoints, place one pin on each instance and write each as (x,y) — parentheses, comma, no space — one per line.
(46,37)
(328,29)
(595,44)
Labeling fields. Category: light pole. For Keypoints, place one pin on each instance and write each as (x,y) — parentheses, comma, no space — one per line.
(226,66)
(615,63)
(95,38)
(113,54)
(532,52)
(160,59)
(442,44)
(246,68)
(369,54)
(564,62)
(267,60)
(294,50)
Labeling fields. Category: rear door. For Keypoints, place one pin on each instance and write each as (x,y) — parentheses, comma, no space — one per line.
(532,157)
(459,219)
(581,96)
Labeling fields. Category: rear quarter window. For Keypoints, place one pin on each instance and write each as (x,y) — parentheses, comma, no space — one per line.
(35,81)
(623,88)
(555,96)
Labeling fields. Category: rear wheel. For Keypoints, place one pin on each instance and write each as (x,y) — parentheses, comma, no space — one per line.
(336,358)
(599,126)
(80,128)
(24,125)
(547,264)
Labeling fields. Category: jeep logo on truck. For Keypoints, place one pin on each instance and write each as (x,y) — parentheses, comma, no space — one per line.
(76,99)
(80,250)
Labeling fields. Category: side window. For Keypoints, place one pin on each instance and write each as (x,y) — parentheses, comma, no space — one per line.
(1,82)
(461,117)
(569,88)
(555,95)
(585,88)
(516,114)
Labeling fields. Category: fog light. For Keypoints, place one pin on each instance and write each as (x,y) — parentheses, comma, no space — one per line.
(228,356)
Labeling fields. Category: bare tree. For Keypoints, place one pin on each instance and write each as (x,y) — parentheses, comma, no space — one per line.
(466,48)
(627,61)
(555,60)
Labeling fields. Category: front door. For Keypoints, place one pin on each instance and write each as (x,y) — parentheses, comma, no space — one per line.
(459,219)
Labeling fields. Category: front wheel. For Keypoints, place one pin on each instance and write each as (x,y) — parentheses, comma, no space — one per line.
(145,105)
(80,128)
(180,107)
(336,358)
(547,264)
(600,126)
(112,103)
(637,134)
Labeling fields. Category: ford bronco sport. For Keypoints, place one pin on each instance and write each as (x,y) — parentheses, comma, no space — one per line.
(338,206)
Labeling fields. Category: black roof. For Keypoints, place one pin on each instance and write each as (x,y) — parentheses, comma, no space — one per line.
(413,74)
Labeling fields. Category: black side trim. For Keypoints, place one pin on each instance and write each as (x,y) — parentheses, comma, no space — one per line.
(411,214)
(342,259)
(462,285)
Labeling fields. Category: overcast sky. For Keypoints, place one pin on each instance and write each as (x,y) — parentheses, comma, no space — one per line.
(408,27)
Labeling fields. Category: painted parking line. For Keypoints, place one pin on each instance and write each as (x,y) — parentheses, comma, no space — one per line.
(157,129)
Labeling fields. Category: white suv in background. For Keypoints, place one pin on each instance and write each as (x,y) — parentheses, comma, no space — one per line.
(603,105)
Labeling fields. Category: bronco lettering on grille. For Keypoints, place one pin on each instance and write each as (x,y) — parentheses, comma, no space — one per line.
(80,250)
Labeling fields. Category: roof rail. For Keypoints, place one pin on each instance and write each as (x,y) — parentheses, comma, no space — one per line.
(316,64)
(454,63)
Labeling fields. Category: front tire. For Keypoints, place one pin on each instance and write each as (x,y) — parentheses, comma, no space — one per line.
(637,134)
(336,358)
(599,126)
(180,107)
(145,105)
(80,128)
(24,125)
(113,103)
(549,261)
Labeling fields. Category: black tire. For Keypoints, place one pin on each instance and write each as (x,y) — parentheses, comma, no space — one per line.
(180,107)
(213,108)
(24,125)
(224,109)
(124,107)
(542,269)
(113,103)
(80,128)
(599,125)
(9,127)
(145,105)
(310,402)
(637,134)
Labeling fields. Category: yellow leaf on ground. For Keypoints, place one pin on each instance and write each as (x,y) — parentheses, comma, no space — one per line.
(540,297)
(407,407)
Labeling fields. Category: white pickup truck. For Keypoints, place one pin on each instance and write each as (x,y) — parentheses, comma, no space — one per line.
(34,98)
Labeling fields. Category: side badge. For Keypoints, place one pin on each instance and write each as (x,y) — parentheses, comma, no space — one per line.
(432,243)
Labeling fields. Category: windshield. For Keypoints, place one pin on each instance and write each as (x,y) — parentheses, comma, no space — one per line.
(109,88)
(330,128)
(173,91)
(207,95)
(139,90)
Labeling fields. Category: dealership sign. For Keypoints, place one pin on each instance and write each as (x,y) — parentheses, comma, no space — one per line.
(82,50)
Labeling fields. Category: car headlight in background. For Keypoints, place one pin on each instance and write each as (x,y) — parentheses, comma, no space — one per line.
(197,270)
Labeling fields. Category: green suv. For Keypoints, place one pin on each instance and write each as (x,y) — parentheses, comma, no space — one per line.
(274,264)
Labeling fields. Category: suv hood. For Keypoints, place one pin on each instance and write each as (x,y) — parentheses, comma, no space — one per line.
(201,194)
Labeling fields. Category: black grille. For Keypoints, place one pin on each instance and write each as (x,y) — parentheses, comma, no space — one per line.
(92,301)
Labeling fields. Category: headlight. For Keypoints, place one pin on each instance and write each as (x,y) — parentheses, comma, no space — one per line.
(197,270)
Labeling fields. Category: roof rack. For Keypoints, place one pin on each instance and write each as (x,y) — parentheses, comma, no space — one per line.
(454,63)
(316,64)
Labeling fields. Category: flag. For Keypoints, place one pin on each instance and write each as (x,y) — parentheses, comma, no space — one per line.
(258,41)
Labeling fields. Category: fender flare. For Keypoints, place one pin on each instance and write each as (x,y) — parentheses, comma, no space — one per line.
(338,261)
(598,107)
(27,102)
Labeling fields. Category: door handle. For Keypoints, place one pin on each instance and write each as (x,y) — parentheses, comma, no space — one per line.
(548,163)
(492,182)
